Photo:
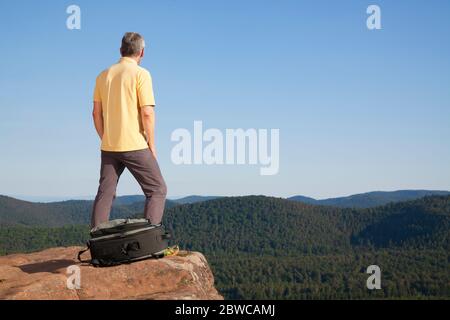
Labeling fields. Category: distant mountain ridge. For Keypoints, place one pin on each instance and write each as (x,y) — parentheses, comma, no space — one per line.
(60,213)
(371,199)
(70,212)
(195,199)
(360,200)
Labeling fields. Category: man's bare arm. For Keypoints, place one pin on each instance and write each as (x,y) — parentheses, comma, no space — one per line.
(148,122)
(97,114)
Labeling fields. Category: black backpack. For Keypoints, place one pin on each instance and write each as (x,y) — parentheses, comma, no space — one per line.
(124,241)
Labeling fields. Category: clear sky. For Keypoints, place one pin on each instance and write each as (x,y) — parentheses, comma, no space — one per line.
(358,110)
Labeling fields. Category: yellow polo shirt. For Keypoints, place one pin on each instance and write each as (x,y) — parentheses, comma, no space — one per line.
(122,89)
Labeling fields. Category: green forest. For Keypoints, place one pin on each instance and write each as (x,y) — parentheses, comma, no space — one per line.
(272,248)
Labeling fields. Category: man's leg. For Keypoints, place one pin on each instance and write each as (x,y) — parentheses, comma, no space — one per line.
(145,169)
(110,170)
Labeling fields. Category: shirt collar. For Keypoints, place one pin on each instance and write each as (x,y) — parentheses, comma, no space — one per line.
(127,59)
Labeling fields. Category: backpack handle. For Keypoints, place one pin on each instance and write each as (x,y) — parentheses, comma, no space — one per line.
(83,251)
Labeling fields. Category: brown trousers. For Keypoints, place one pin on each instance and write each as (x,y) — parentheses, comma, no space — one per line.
(143,166)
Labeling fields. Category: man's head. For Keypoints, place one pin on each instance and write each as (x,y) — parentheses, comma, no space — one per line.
(132,46)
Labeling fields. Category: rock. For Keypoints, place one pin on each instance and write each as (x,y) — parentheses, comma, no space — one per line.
(44,275)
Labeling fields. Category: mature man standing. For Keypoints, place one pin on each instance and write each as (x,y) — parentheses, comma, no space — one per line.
(125,121)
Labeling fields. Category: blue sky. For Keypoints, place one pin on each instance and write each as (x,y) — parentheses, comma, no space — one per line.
(358,109)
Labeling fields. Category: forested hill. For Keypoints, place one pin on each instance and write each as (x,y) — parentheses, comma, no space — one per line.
(263,247)
(257,224)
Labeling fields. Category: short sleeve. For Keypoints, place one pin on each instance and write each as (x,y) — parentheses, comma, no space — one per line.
(97,96)
(145,89)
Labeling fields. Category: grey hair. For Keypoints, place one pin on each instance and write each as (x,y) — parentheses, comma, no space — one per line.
(132,44)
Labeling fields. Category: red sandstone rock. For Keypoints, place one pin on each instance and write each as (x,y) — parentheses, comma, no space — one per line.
(43,275)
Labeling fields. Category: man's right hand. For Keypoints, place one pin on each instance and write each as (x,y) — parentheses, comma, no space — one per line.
(152,149)
(148,122)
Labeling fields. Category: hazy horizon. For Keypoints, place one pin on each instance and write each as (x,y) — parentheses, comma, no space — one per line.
(41,198)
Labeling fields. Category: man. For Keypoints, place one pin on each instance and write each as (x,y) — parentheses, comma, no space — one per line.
(125,122)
